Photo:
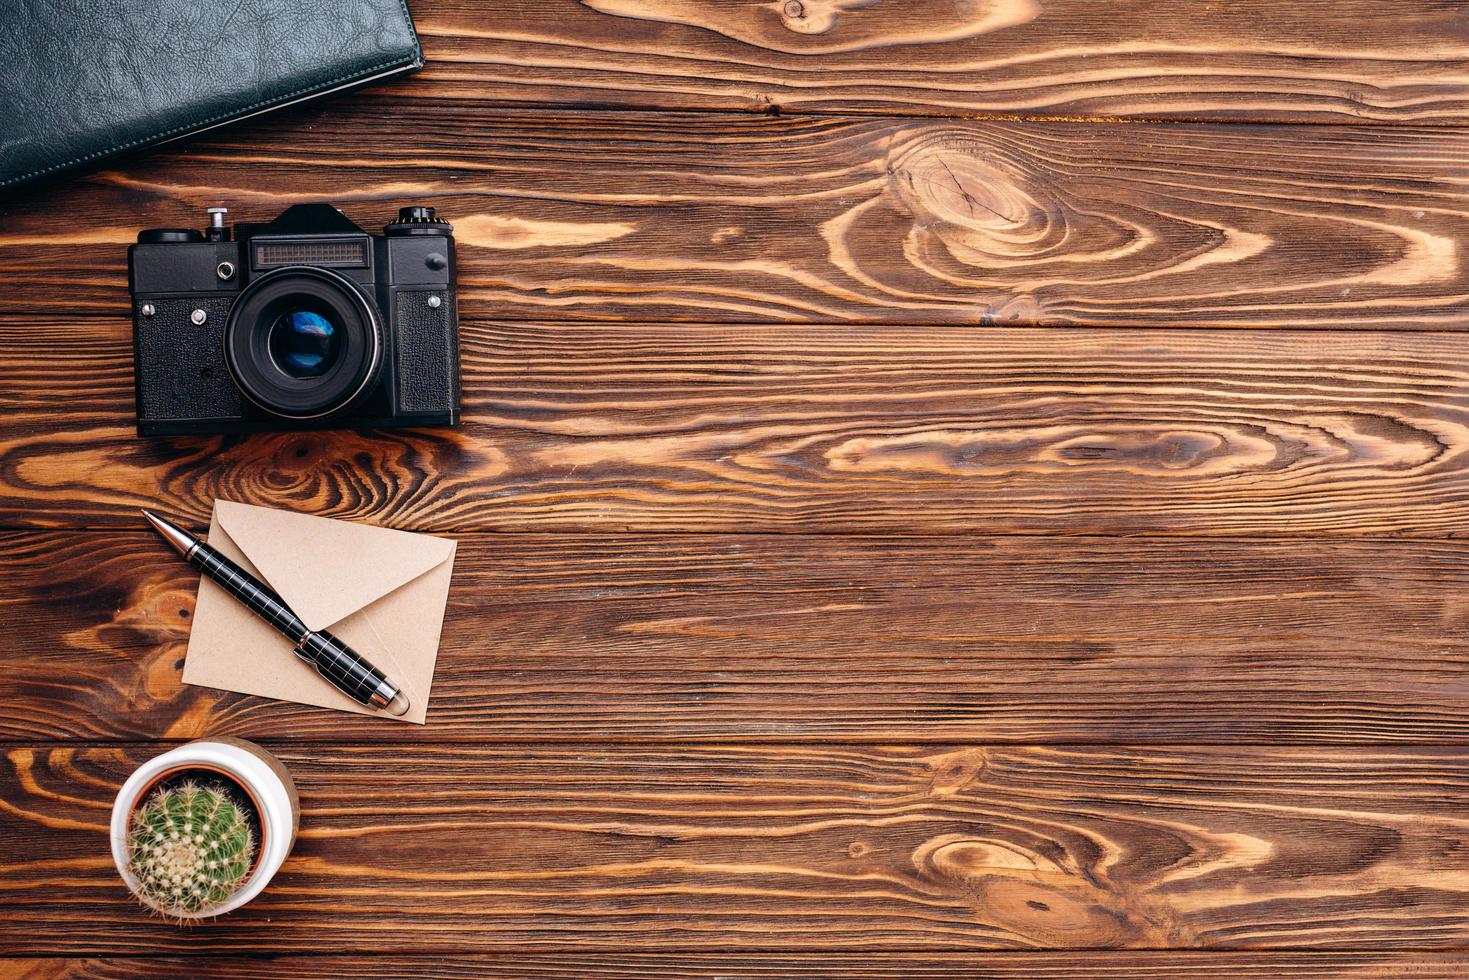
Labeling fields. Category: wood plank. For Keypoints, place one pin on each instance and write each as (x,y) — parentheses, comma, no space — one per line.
(1345,61)
(753,965)
(789,847)
(874,430)
(743,219)
(771,638)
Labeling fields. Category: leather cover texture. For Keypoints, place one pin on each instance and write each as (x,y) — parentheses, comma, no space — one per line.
(81,80)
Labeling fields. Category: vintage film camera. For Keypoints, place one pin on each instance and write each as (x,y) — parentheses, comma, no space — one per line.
(307,322)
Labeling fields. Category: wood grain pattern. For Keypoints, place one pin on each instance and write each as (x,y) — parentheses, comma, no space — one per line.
(791,315)
(767,638)
(893,430)
(748,965)
(1346,60)
(708,217)
(718,848)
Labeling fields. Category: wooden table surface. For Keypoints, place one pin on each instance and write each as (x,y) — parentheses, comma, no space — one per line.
(964,488)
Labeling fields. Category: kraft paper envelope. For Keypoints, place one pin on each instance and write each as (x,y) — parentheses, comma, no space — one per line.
(380,591)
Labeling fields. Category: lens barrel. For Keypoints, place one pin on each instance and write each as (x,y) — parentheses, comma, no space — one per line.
(302,342)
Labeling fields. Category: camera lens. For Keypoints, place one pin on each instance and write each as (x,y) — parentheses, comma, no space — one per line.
(304,343)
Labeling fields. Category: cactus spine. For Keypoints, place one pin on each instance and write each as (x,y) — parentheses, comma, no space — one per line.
(190,848)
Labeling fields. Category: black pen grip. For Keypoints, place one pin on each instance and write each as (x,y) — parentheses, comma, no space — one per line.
(343,667)
(249,590)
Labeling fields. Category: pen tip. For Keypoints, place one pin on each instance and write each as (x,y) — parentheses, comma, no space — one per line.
(398,707)
(180,540)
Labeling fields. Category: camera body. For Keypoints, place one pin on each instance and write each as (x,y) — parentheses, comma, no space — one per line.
(305,322)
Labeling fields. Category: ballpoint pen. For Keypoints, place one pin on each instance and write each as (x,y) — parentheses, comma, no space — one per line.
(346,669)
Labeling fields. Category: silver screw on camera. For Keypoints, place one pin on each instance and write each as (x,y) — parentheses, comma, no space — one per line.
(216,216)
(225,269)
(198,316)
(434,302)
(147,309)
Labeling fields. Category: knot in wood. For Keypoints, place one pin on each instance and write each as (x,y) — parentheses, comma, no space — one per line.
(983,205)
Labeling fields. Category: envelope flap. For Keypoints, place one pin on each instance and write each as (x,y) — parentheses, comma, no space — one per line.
(324,569)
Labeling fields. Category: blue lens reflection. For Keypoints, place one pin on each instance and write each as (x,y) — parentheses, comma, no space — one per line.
(303,343)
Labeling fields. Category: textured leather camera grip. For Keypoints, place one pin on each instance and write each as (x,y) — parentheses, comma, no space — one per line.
(84,80)
(428,361)
(181,371)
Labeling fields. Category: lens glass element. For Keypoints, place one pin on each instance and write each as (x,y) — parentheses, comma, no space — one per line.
(304,344)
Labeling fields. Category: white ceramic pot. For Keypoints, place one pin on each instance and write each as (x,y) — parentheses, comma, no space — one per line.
(259,775)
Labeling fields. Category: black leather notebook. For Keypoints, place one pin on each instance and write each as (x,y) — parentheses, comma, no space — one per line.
(81,80)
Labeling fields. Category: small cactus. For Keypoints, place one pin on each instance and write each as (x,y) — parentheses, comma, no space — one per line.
(190,849)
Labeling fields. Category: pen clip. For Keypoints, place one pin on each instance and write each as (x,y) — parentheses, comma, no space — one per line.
(300,650)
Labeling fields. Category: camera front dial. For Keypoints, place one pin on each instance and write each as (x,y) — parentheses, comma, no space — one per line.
(302,342)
